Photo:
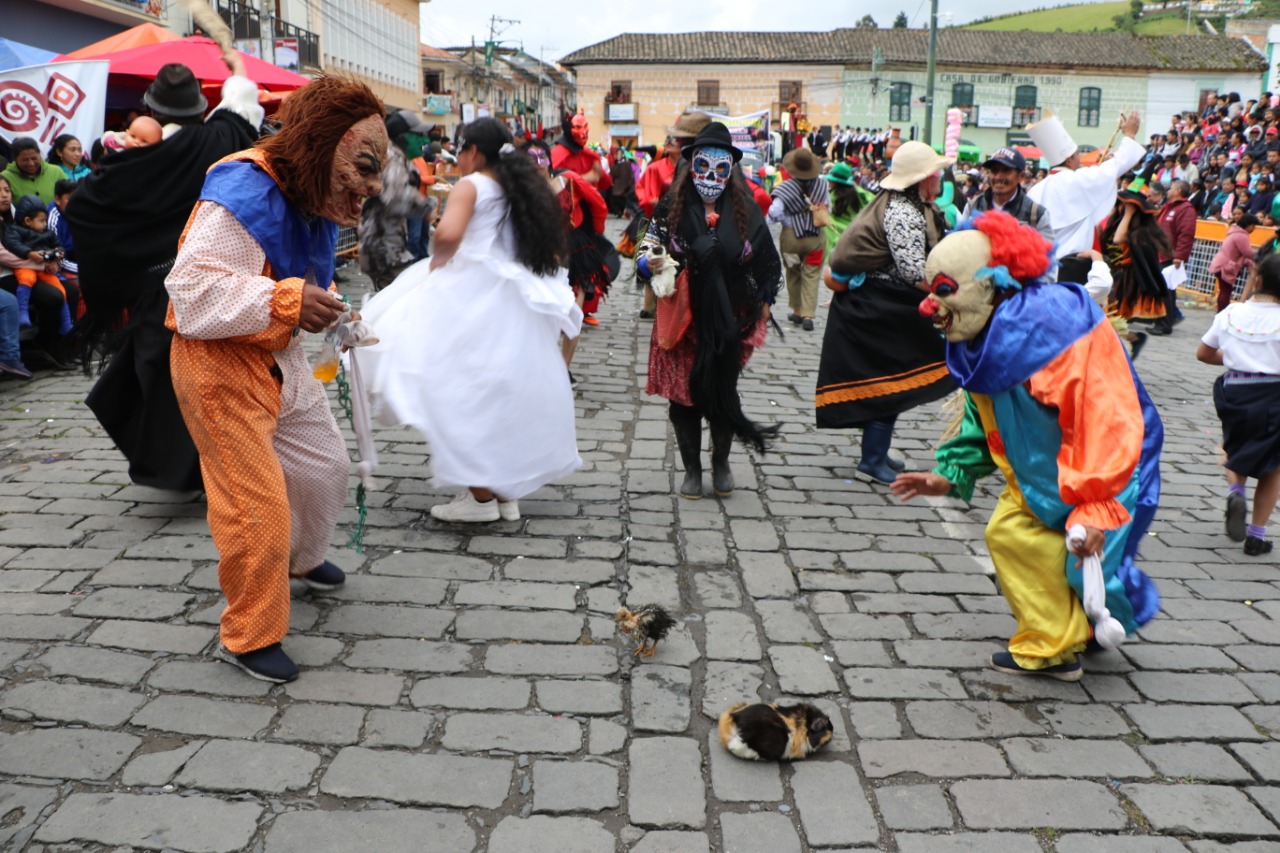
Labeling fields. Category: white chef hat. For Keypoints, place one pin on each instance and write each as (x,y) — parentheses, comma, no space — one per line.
(1052,139)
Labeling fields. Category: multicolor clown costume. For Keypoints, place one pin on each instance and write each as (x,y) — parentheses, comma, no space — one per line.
(1053,401)
(274,462)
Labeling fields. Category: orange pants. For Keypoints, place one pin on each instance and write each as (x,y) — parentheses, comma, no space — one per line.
(275,471)
(28,278)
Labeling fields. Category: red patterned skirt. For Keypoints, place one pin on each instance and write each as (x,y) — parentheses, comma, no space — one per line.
(669,369)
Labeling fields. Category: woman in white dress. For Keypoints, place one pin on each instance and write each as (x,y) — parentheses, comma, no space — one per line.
(469,351)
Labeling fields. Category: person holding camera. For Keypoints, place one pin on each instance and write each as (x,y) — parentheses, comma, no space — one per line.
(29,237)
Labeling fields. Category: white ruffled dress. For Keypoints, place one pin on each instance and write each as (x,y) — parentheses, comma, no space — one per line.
(469,355)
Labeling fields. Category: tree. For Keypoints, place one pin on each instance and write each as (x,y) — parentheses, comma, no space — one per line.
(900,22)
(867,23)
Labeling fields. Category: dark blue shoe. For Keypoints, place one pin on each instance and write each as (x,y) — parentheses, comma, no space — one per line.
(1004,662)
(325,577)
(895,464)
(269,663)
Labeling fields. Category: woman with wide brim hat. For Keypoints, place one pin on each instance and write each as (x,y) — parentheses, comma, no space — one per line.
(879,356)
(709,226)
(802,242)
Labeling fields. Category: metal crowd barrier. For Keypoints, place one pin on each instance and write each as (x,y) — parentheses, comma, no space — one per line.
(1201,286)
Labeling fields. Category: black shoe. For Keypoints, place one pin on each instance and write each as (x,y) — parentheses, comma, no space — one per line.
(646,315)
(1160,331)
(325,577)
(266,664)
(1255,547)
(1004,662)
(574,382)
(1236,510)
(52,357)
(1178,318)
(1135,346)
(795,318)
(807,325)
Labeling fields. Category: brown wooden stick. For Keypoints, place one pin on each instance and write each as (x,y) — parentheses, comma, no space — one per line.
(216,28)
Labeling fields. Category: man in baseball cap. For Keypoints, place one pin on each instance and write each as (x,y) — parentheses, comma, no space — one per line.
(1005,192)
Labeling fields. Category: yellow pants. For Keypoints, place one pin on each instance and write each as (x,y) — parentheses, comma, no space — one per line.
(275,471)
(1029,559)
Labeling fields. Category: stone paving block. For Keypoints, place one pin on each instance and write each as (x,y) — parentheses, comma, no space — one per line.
(913,807)
(305,722)
(515,732)
(861,653)
(34,603)
(759,833)
(653,585)
(207,717)
(1192,722)
(1031,803)
(802,670)
(940,759)
(1202,687)
(1262,758)
(833,808)
(1200,810)
(1074,759)
(387,831)
(660,697)
(20,627)
(786,623)
(1082,843)
(539,596)
(732,636)
(860,626)
(541,834)
(158,768)
(90,664)
(74,703)
(1000,686)
(967,842)
(875,720)
(971,719)
(577,570)
(728,684)
(581,697)
(15,580)
(1192,631)
(1177,657)
(878,683)
(347,688)
(965,626)
(478,694)
(409,655)
(152,637)
(418,779)
(560,787)
(766,575)
(390,590)
(310,651)
(543,659)
(22,805)
(605,737)
(717,589)
(1203,761)
(547,626)
(386,620)
(188,824)
(236,765)
(125,603)
(430,564)
(65,753)
(665,786)
(385,727)
(734,780)
(174,548)
(516,545)
(673,842)
(750,535)
(214,677)
(1083,720)
(953,654)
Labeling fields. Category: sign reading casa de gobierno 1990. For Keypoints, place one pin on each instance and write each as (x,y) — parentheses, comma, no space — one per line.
(1007,79)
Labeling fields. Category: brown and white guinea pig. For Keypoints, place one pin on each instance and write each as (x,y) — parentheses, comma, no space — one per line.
(773,732)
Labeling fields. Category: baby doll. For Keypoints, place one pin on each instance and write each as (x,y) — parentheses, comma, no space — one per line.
(30,238)
(142,131)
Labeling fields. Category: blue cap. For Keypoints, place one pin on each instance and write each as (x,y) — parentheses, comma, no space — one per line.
(1007,157)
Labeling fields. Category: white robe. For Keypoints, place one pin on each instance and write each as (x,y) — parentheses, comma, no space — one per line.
(1078,200)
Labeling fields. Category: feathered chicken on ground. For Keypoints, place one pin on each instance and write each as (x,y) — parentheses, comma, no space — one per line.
(648,622)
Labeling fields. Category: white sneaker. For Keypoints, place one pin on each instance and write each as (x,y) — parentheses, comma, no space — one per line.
(466,508)
(509,510)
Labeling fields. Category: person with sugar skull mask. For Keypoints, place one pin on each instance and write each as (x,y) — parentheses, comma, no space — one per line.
(1052,401)
(709,225)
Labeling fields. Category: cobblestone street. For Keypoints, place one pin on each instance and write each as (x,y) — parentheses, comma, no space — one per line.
(467,690)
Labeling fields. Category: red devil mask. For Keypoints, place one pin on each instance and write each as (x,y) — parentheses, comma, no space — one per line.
(579,129)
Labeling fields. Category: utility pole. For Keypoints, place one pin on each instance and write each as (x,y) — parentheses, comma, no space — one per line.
(933,67)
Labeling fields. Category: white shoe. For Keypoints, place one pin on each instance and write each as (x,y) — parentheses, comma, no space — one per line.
(509,510)
(466,508)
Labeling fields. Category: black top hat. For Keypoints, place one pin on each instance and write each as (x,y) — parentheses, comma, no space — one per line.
(175,93)
(714,135)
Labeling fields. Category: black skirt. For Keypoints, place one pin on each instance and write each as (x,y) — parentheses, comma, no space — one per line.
(879,356)
(1250,415)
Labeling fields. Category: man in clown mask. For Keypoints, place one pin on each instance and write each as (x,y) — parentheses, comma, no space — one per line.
(1051,400)
(254,267)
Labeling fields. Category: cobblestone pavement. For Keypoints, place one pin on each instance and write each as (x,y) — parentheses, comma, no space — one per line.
(466,691)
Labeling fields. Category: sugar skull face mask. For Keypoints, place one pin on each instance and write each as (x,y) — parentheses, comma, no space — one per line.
(711,169)
(579,129)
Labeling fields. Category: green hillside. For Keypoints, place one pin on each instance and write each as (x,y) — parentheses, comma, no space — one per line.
(1085,17)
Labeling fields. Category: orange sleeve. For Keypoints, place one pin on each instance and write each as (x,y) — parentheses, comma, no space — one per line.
(1091,386)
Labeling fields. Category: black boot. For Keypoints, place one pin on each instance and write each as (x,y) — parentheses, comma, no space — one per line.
(687,425)
(874,468)
(721,476)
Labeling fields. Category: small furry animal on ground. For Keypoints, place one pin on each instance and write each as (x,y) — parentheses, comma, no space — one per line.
(762,732)
(651,622)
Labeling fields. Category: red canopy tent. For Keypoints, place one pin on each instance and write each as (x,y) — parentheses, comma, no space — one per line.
(143,34)
(202,56)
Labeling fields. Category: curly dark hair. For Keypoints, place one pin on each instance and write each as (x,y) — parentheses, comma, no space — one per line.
(682,192)
(542,242)
(845,200)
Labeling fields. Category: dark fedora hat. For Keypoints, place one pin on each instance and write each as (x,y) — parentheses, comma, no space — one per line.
(175,93)
(802,163)
(714,135)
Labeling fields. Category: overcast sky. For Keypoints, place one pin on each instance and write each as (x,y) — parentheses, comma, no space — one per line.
(564,26)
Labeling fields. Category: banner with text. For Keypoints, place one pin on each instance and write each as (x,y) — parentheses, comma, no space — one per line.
(45,101)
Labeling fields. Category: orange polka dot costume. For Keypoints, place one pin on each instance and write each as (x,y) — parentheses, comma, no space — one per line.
(273,460)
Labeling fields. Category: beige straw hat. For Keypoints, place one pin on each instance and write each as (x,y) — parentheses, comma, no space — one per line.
(912,163)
